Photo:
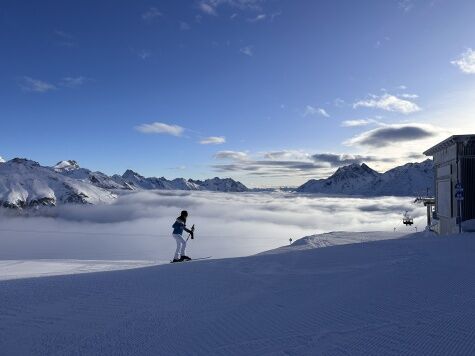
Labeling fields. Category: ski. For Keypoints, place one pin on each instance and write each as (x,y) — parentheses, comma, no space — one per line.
(194,259)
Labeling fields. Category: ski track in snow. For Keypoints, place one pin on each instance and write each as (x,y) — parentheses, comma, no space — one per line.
(410,296)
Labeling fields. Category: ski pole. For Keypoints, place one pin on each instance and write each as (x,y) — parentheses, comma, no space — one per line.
(192,230)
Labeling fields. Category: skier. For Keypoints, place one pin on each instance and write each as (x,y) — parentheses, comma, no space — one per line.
(178,227)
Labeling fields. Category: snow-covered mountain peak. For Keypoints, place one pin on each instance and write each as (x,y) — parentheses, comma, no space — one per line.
(408,180)
(1,160)
(23,161)
(354,170)
(130,174)
(65,166)
(24,183)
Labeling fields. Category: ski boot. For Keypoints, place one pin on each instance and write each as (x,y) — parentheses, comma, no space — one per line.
(184,258)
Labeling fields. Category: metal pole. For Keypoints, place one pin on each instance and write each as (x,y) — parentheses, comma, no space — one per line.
(459,202)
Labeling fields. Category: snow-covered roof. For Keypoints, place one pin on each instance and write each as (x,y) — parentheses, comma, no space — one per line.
(452,140)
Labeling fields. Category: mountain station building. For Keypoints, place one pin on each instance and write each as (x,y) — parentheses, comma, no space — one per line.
(454,165)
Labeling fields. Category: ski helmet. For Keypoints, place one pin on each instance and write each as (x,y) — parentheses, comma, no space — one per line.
(184,213)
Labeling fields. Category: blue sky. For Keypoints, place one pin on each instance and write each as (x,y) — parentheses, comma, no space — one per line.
(270,92)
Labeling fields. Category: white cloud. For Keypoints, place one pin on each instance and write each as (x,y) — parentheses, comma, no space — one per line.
(286,155)
(247,51)
(1,159)
(213,140)
(72,82)
(388,102)
(310,110)
(151,14)
(394,135)
(358,122)
(208,9)
(36,85)
(260,17)
(160,128)
(137,226)
(466,62)
(232,155)
(409,96)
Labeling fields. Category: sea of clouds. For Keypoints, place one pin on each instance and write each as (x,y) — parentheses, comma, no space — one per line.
(138,225)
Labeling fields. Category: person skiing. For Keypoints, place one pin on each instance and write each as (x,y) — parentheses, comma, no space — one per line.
(178,227)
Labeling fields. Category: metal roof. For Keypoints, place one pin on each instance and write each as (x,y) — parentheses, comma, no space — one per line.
(452,140)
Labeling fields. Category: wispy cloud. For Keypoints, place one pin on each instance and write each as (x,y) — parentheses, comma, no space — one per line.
(388,135)
(260,17)
(213,140)
(208,9)
(466,61)
(248,51)
(310,110)
(64,34)
(160,128)
(339,102)
(232,155)
(151,14)
(286,155)
(358,122)
(64,38)
(73,82)
(388,102)
(36,85)
(282,163)
(406,5)
(285,165)
(338,160)
(409,96)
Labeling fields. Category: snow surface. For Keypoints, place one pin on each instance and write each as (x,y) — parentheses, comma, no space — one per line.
(411,179)
(15,269)
(409,296)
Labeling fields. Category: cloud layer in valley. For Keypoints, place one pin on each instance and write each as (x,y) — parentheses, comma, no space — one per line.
(138,225)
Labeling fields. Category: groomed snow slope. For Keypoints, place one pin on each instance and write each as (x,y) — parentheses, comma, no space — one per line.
(15,269)
(410,296)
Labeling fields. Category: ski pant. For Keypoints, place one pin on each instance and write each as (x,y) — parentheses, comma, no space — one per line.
(180,246)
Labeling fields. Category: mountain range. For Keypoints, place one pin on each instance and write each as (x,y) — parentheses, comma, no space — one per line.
(25,183)
(411,179)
